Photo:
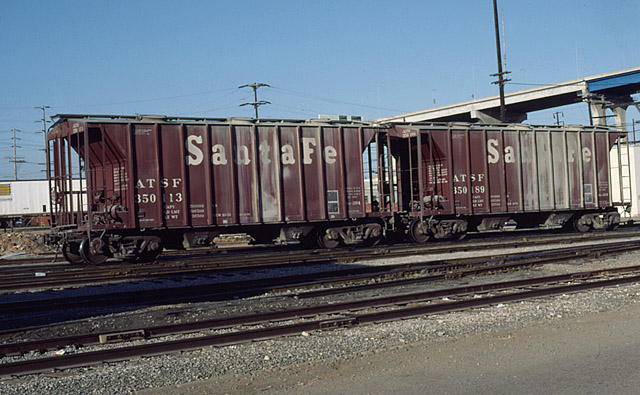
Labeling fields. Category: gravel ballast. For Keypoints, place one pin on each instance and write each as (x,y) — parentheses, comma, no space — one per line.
(243,362)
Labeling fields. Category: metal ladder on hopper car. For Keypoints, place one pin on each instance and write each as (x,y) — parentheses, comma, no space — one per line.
(624,174)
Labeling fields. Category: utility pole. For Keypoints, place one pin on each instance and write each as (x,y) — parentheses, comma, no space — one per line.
(46,143)
(500,74)
(255,103)
(15,158)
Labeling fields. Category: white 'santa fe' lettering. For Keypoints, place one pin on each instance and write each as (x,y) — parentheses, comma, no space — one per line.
(195,153)
(288,158)
(493,155)
(509,154)
(218,155)
(330,154)
(242,155)
(307,150)
(265,151)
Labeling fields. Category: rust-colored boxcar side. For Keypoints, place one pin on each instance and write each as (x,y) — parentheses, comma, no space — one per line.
(470,170)
(153,173)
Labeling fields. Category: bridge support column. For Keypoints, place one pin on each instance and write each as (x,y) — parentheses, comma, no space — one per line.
(599,108)
(620,117)
(598,113)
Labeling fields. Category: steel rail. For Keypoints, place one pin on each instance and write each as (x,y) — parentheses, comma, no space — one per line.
(451,268)
(11,279)
(240,259)
(258,318)
(150,349)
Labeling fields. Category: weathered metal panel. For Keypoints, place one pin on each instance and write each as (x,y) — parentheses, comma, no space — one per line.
(173,186)
(496,171)
(246,173)
(314,184)
(197,148)
(528,170)
(291,173)
(602,165)
(223,185)
(439,169)
(587,157)
(574,164)
(354,173)
(560,170)
(544,164)
(332,154)
(269,173)
(479,171)
(513,170)
(147,188)
(462,189)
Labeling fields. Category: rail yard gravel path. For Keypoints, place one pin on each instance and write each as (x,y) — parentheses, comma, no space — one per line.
(575,343)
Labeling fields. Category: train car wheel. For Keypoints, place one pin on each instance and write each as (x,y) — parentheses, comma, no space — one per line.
(328,239)
(417,232)
(580,226)
(71,252)
(91,251)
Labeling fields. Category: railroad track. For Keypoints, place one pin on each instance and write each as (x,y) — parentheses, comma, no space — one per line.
(55,276)
(321,317)
(357,279)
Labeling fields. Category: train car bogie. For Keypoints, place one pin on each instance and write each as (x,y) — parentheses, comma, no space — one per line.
(328,238)
(600,220)
(93,250)
(418,231)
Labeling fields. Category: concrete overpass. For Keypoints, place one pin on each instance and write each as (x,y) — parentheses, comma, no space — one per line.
(603,91)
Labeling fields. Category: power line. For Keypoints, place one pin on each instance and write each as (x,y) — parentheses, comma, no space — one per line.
(153,99)
(255,103)
(333,100)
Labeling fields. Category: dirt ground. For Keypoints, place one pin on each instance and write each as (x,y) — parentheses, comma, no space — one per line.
(29,242)
(592,354)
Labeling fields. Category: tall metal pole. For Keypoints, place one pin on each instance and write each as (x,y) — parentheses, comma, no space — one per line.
(44,131)
(500,73)
(15,156)
(16,159)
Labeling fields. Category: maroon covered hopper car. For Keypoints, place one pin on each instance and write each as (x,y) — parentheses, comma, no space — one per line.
(155,182)
(179,183)
(458,177)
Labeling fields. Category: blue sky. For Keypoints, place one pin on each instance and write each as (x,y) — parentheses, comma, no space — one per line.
(369,58)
